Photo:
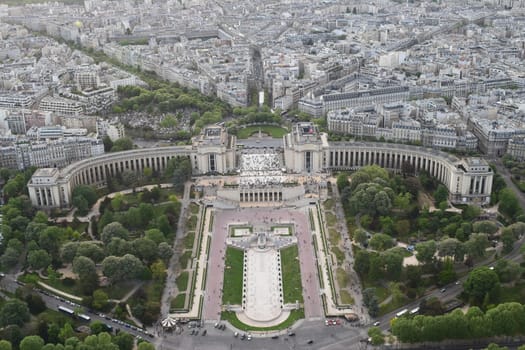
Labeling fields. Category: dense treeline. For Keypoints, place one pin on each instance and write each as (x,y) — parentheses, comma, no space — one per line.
(503,320)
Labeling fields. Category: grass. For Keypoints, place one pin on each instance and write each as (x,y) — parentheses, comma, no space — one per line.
(339,255)
(346,298)
(194,208)
(191,223)
(189,240)
(231,317)
(515,293)
(232,290)
(342,277)
(334,237)
(291,272)
(273,131)
(177,303)
(329,204)
(119,289)
(182,281)
(331,219)
(184,258)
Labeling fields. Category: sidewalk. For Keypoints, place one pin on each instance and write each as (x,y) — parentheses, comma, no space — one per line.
(59,292)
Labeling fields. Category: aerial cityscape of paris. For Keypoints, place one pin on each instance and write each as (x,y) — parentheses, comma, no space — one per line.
(238,174)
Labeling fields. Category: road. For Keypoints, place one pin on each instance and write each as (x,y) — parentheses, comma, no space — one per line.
(323,337)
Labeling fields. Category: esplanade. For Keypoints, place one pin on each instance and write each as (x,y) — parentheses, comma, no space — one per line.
(304,150)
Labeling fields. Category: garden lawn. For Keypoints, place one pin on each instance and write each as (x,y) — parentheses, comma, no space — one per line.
(233,273)
(231,317)
(182,281)
(291,273)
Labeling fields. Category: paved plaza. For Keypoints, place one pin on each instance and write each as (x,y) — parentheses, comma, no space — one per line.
(260,300)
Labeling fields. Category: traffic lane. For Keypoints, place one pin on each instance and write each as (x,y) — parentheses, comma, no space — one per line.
(54,301)
(451,291)
(323,337)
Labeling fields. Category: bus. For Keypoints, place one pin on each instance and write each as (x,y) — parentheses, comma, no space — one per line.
(66,310)
(401,313)
(84,317)
(414,310)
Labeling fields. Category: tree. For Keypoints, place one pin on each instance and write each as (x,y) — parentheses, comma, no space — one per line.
(14,312)
(342,182)
(87,273)
(114,229)
(370,301)
(91,250)
(360,236)
(485,226)
(119,247)
(508,271)
(35,303)
(164,251)
(447,273)
(38,259)
(480,282)
(508,239)
(146,346)
(81,204)
(441,194)
(145,249)
(158,270)
(376,337)
(89,193)
(508,203)
(476,245)
(10,257)
(181,171)
(122,144)
(100,299)
(362,262)
(108,143)
(124,341)
(68,252)
(155,235)
(381,241)
(425,251)
(5,345)
(32,342)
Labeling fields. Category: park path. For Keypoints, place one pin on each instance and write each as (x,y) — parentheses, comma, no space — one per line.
(59,292)
(170,288)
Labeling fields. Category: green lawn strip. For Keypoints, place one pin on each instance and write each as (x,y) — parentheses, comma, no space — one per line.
(182,281)
(177,303)
(231,317)
(334,237)
(342,277)
(189,240)
(210,222)
(346,298)
(331,219)
(184,258)
(329,204)
(311,217)
(191,291)
(321,282)
(232,228)
(233,273)
(339,255)
(291,273)
(194,208)
(191,223)
(273,131)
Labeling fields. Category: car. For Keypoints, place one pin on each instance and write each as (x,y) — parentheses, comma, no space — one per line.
(249,336)
(275,337)
(236,334)
(216,325)
(377,323)
(291,334)
(204,332)
(196,332)
(457,283)
(243,336)
(443,290)
(310,342)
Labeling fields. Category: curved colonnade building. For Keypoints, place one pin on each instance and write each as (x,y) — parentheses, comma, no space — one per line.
(305,150)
